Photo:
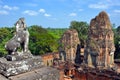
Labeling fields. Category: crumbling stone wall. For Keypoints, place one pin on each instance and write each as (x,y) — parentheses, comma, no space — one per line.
(48,58)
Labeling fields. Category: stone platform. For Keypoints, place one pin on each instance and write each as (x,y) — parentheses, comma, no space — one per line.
(11,68)
(27,69)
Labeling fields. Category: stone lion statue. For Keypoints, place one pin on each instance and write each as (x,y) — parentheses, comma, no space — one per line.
(20,39)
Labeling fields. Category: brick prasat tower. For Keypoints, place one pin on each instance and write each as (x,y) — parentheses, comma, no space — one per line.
(70,40)
(100,47)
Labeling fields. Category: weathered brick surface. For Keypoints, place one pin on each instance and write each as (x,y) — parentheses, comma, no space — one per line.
(69,41)
(48,58)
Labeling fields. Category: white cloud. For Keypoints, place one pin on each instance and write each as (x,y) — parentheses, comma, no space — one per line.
(10,8)
(98,6)
(30,12)
(72,14)
(105,4)
(42,10)
(3,12)
(47,15)
(7,7)
(117,11)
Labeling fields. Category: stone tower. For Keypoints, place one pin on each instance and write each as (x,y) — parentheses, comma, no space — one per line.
(100,47)
(70,41)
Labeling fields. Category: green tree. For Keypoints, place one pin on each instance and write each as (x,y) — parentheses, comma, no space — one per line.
(41,41)
(82,28)
(5,35)
(117,41)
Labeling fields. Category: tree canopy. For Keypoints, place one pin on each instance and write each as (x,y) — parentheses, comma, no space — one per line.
(82,28)
(41,41)
(117,41)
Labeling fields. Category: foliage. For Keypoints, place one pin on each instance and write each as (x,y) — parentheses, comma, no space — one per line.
(56,32)
(82,28)
(5,35)
(40,40)
(44,40)
(117,41)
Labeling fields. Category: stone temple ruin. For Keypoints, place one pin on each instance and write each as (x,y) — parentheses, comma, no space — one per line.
(100,46)
(69,43)
(22,65)
(99,50)
(97,61)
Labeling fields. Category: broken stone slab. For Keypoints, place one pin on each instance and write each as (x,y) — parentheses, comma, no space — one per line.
(11,68)
(44,73)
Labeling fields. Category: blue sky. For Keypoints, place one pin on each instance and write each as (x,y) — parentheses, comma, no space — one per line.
(56,13)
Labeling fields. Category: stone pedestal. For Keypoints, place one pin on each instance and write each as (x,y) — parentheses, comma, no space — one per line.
(18,56)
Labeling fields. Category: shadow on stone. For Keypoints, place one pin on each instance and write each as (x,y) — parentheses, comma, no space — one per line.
(78,59)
